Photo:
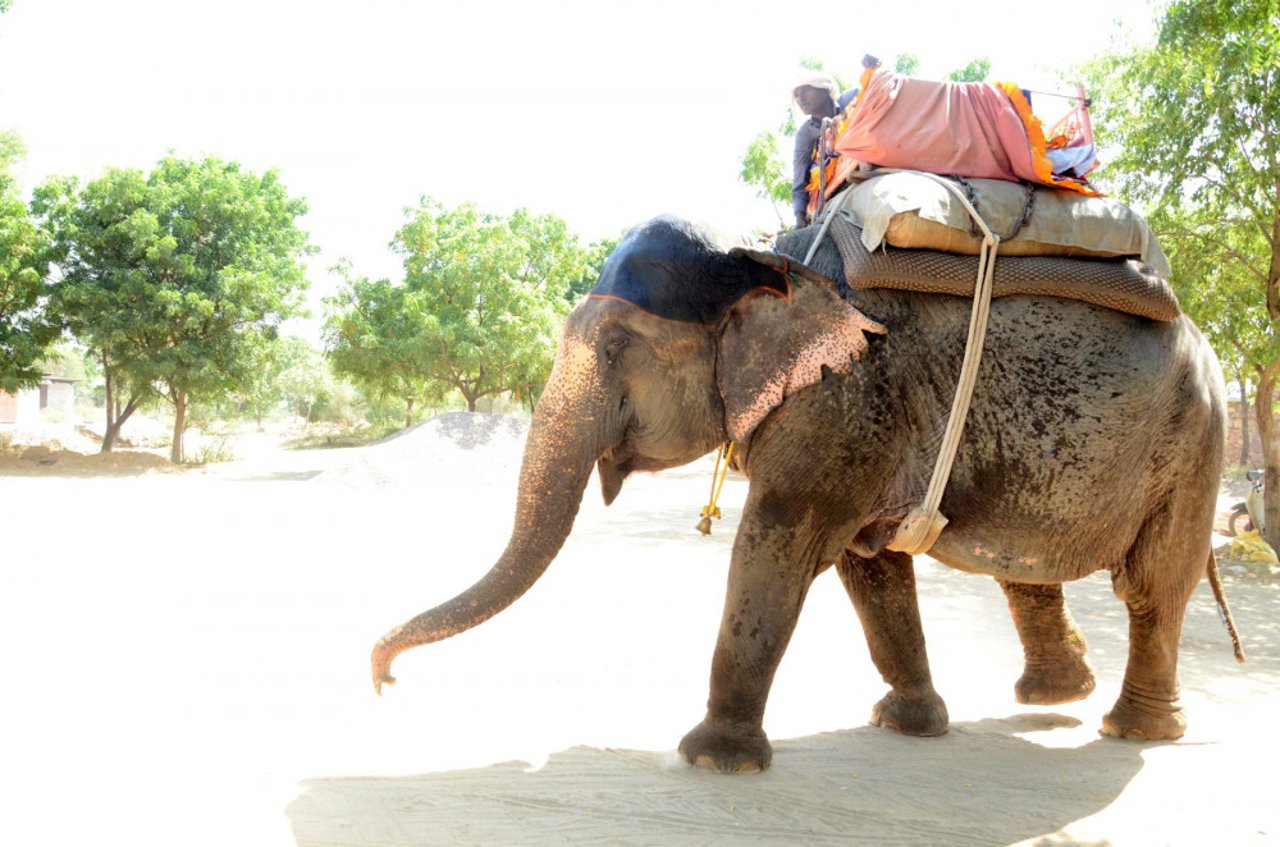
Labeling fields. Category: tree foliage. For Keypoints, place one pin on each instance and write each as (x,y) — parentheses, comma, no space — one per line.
(373,337)
(1196,120)
(25,327)
(305,381)
(765,170)
(478,312)
(975,71)
(288,374)
(174,279)
(906,64)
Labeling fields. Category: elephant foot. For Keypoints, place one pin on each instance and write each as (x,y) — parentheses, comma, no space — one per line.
(1139,720)
(727,750)
(1061,683)
(924,714)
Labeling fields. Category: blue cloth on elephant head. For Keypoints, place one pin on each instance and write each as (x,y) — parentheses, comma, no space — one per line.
(676,270)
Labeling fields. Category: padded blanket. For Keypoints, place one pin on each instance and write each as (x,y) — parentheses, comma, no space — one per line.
(1121,284)
(909,210)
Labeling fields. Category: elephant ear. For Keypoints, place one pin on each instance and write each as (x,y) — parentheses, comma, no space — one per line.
(772,347)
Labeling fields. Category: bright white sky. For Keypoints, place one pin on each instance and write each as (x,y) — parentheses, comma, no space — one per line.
(604,113)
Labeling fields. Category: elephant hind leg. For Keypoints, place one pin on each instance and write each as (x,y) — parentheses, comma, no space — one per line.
(1155,582)
(883,591)
(1055,668)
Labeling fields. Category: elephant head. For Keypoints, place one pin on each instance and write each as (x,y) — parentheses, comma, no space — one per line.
(681,345)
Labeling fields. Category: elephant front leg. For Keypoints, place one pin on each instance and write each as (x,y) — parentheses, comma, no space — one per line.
(767,586)
(1055,668)
(883,591)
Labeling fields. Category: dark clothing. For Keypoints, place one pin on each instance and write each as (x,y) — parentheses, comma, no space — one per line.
(806,142)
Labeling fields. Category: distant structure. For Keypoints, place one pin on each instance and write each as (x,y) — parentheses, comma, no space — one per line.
(30,409)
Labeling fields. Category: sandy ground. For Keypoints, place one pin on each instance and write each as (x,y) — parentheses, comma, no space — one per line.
(186,663)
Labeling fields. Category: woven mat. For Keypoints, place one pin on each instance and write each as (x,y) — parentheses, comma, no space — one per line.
(1121,284)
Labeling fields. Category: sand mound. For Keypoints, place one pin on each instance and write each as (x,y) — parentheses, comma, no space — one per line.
(456,441)
(51,460)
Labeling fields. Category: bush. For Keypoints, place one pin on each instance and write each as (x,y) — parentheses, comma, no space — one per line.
(214,450)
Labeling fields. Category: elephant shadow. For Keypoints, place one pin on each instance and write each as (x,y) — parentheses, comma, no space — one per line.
(981,784)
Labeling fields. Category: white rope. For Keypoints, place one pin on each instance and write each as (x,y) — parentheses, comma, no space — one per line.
(921,528)
(830,210)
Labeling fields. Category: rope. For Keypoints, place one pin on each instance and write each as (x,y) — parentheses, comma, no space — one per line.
(921,528)
(829,213)
(711,510)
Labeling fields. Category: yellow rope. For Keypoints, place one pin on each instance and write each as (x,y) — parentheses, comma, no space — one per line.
(711,510)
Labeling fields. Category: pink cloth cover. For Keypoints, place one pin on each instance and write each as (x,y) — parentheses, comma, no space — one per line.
(966,129)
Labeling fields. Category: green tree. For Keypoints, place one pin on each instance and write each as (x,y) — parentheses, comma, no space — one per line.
(287,372)
(593,262)
(766,170)
(375,336)
(1196,120)
(478,312)
(260,393)
(174,279)
(305,381)
(975,71)
(26,328)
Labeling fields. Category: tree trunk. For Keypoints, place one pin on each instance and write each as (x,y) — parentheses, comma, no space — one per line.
(1263,407)
(109,437)
(179,425)
(117,417)
(408,412)
(1273,268)
(1244,423)
(111,430)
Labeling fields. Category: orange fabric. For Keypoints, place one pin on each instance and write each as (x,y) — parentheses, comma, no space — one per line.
(1035,136)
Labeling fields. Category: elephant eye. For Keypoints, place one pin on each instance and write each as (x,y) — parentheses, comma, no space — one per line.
(614,348)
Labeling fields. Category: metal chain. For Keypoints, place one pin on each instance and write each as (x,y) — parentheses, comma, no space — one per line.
(973,201)
(1028,206)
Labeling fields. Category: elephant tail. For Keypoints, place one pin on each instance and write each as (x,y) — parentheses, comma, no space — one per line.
(1224,611)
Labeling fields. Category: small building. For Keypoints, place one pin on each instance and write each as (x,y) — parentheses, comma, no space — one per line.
(52,402)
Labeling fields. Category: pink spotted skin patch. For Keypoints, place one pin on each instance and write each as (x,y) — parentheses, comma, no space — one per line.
(834,338)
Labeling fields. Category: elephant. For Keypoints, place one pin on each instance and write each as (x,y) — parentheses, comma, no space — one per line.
(1094,440)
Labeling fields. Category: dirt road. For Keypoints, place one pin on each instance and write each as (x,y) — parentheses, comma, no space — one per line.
(186,662)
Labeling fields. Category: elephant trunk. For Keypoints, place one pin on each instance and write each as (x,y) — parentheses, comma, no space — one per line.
(565,439)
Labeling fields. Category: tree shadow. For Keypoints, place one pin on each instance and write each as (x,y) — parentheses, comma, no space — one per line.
(275,476)
(981,784)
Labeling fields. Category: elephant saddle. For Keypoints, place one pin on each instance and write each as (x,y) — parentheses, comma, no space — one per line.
(1120,283)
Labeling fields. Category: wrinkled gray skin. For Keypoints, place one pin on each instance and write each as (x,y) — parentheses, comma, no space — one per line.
(1094,441)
